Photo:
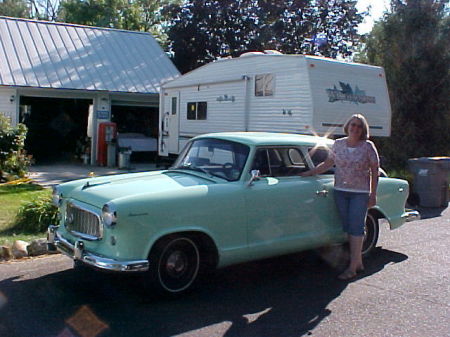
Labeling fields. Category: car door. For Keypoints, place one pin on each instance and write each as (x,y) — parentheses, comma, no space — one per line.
(324,189)
(285,212)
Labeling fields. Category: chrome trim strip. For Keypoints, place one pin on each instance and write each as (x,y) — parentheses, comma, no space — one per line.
(411,215)
(78,252)
(84,236)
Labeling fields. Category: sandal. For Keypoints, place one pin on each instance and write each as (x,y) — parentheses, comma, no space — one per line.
(347,275)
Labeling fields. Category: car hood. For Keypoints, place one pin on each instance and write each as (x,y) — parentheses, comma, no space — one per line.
(101,190)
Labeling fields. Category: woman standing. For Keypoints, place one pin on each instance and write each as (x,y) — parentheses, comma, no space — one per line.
(355,185)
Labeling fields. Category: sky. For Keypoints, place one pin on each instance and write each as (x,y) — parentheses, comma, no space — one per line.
(378,7)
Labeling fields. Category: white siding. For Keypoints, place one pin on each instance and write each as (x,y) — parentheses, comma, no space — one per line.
(292,95)
(221,116)
(289,109)
(8,104)
(327,74)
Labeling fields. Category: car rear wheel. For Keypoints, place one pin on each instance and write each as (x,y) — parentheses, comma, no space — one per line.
(371,231)
(174,264)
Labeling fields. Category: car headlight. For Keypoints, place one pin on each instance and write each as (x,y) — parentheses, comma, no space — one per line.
(56,196)
(109,214)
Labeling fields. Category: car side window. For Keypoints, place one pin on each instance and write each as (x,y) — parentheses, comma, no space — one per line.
(318,155)
(261,162)
(279,162)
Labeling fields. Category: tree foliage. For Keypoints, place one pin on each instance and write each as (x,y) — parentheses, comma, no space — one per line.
(138,15)
(412,43)
(201,31)
(14,8)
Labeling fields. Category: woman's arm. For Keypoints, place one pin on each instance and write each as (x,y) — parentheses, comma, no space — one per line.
(374,173)
(322,167)
(374,162)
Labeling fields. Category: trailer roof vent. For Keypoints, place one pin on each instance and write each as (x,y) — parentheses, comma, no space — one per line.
(251,53)
(272,52)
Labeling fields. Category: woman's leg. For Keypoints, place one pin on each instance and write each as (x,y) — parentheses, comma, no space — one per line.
(356,263)
(357,217)
(342,204)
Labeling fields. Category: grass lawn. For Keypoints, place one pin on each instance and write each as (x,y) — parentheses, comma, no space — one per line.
(11,198)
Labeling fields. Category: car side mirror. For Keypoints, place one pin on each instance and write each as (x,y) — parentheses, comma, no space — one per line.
(255,175)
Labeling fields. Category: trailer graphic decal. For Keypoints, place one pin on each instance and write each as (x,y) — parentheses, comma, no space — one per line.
(347,94)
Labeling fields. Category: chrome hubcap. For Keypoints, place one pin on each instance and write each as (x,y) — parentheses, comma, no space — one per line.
(176,263)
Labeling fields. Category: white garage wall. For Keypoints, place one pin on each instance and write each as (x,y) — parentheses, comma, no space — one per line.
(9,104)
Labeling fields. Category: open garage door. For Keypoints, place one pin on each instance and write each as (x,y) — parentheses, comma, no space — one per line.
(57,128)
(137,128)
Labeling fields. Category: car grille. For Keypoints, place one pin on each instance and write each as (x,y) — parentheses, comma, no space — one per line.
(83,223)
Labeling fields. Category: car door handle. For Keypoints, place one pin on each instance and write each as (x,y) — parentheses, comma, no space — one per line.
(322,193)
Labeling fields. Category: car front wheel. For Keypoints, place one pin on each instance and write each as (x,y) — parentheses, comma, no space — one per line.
(174,264)
(371,231)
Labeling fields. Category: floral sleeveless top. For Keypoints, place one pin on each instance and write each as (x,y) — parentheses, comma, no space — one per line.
(353,165)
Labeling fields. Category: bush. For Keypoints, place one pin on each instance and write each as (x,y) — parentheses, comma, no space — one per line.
(14,161)
(401,174)
(35,216)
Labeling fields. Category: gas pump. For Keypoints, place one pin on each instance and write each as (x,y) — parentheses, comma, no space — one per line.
(106,150)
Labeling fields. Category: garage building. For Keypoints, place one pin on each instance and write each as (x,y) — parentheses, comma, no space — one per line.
(64,81)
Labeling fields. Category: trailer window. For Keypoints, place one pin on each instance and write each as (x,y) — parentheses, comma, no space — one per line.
(264,85)
(197,110)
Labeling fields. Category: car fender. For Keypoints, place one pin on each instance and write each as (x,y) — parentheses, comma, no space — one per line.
(394,221)
(184,229)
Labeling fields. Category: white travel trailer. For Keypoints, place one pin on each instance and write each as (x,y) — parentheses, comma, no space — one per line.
(272,92)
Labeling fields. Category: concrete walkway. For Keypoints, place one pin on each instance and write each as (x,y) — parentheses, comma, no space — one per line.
(49,175)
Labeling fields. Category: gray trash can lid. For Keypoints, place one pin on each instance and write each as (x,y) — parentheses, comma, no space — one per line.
(443,162)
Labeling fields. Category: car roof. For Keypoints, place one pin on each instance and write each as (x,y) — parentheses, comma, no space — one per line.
(268,138)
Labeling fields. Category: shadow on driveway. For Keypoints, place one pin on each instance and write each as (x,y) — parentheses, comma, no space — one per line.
(286,296)
(430,212)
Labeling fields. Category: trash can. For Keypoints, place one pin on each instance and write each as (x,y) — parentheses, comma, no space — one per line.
(111,154)
(124,159)
(431,179)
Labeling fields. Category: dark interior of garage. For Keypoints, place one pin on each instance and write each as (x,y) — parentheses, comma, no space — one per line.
(137,121)
(57,128)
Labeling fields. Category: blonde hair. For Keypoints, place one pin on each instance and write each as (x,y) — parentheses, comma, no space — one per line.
(365,126)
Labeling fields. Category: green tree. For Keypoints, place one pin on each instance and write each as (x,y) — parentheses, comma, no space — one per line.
(138,15)
(120,14)
(15,8)
(412,43)
(201,31)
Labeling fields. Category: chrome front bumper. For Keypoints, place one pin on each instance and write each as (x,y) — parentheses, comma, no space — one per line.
(77,252)
(411,215)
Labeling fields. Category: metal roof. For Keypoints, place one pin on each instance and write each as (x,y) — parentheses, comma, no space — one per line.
(65,56)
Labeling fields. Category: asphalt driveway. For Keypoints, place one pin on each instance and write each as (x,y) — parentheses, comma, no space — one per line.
(404,292)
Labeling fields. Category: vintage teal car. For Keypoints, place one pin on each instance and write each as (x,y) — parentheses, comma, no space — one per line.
(229,198)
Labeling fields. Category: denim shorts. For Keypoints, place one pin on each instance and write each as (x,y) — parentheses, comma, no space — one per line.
(352,207)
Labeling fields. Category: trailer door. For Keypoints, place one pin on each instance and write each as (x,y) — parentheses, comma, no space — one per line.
(172,102)
(169,124)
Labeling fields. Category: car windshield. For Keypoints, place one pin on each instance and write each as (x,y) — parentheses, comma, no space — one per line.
(214,157)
